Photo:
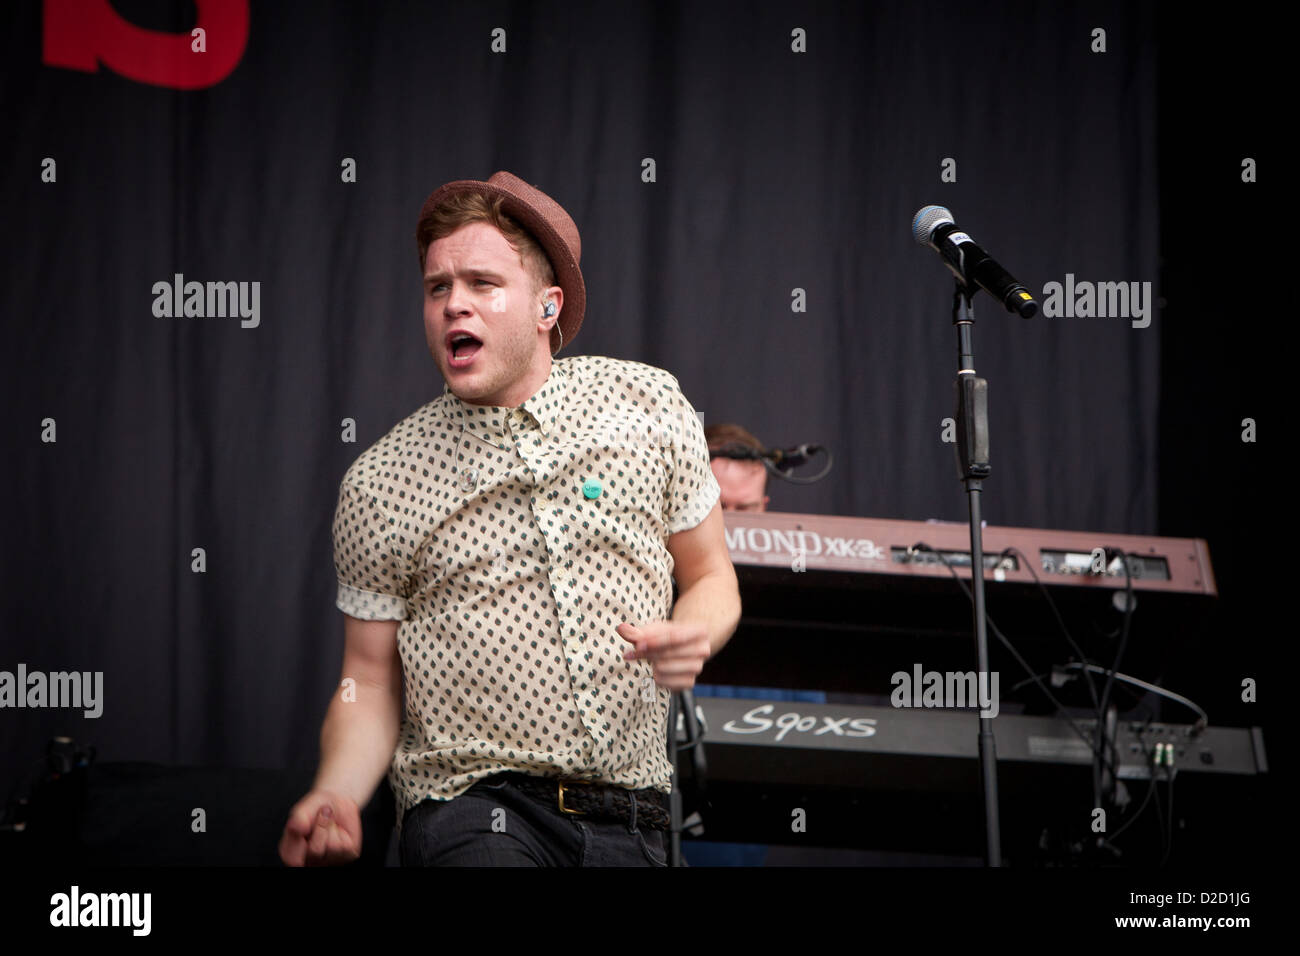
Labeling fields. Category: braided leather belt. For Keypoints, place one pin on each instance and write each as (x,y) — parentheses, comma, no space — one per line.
(597,800)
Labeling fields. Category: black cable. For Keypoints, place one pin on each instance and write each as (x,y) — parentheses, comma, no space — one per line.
(1160,826)
(741,452)
(1083,658)
(1166,825)
(830,460)
(1109,842)
(1164,816)
(1061,710)
(1169,843)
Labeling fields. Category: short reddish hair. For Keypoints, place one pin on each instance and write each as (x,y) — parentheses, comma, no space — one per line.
(727,433)
(461,209)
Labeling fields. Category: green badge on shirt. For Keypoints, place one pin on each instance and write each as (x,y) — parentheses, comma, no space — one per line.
(591,488)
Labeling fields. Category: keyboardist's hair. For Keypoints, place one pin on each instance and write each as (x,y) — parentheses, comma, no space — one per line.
(727,433)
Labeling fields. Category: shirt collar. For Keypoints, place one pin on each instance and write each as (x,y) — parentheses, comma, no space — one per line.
(491,422)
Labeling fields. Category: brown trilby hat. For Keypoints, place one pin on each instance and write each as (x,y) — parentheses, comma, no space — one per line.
(549,224)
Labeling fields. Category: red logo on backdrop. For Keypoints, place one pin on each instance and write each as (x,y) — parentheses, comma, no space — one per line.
(82,34)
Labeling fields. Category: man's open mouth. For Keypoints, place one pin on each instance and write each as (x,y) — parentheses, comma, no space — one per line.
(461,349)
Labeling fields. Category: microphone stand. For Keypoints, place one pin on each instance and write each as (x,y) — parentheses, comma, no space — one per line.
(973,466)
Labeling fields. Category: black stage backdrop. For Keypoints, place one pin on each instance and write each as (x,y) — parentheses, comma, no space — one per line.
(744,178)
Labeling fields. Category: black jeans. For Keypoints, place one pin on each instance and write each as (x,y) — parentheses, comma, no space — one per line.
(494,823)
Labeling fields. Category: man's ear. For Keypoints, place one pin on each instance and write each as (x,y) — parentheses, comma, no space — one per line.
(550,294)
(554,294)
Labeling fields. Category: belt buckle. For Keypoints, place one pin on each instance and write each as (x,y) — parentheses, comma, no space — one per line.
(563,808)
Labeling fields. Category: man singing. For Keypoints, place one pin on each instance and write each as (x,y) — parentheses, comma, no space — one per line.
(505,555)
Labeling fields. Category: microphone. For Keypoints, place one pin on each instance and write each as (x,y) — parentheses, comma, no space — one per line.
(933,226)
(790,457)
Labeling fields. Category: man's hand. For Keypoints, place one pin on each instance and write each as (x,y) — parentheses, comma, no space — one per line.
(324,829)
(677,649)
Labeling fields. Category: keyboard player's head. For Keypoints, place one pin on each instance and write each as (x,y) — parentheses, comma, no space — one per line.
(742,479)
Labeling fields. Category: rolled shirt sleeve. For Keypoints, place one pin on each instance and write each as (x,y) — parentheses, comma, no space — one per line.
(373,584)
(692,488)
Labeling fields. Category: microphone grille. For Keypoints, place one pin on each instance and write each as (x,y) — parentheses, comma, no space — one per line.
(927,220)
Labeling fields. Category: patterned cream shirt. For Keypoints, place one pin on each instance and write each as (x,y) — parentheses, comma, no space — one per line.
(509,543)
